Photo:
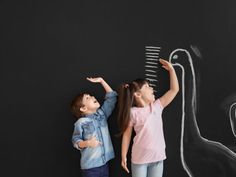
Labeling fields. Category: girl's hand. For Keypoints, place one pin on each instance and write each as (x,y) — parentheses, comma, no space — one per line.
(165,64)
(95,79)
(124,164)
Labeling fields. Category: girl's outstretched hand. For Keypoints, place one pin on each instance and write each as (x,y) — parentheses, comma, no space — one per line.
(165,64)
(95,79)
(124,164)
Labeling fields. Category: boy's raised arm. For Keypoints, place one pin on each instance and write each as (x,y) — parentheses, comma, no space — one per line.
(110,98)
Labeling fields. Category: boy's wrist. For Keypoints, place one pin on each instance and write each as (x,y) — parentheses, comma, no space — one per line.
(84,144)
(102,81)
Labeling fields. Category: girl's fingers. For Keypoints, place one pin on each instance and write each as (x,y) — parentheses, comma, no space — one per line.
(165,67)
(163,61)
(124,165)
(126,169)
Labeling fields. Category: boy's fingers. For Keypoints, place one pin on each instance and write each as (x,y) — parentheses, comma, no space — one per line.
(94,138)
(90,78)
(98,142)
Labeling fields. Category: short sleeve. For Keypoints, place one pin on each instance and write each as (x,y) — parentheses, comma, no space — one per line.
(131,121)
(157,104)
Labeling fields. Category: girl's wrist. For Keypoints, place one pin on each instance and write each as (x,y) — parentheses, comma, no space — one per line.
(123,157)
(171,69)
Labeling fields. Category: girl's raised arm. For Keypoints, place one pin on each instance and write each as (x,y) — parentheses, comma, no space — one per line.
(174,84)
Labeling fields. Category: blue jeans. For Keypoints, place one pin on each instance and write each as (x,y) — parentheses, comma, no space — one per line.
(102,171)
(147,170)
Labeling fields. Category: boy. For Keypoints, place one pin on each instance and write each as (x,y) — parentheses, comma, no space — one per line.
(91,135)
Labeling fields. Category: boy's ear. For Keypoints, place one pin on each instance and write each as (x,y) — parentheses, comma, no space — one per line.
(83,109)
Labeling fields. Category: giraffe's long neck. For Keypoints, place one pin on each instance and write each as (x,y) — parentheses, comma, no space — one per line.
(189,129)
(232,115)
(191,132)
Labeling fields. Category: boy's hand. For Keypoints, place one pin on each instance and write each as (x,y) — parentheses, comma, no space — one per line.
(101,81)
(124,164)
(95,79)
(93,142)
(165,64)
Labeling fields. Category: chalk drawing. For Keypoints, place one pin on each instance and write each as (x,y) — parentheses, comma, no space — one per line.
(151,65)
(232,115)
(229,105)
(200,157)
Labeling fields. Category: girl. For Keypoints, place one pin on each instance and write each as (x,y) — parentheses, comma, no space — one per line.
(138,109)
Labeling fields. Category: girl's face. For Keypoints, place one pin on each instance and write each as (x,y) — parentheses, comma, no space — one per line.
(147,93)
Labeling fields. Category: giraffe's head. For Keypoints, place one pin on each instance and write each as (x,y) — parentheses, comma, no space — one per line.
(179,56)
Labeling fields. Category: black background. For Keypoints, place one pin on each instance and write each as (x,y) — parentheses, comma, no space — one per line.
(48,48)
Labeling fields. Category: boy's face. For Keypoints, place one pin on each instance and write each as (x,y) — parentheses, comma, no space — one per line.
(90,104)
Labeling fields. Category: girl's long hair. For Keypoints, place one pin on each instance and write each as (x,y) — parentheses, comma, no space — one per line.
(126,100)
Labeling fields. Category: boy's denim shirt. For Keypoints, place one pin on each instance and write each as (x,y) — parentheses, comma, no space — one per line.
(96,125)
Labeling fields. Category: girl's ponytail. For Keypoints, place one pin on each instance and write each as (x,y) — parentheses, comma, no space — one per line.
(125,102)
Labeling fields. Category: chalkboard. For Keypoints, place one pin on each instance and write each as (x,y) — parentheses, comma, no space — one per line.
(48,48)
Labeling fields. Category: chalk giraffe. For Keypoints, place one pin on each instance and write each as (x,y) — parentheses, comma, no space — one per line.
(200,157)
(232,118)
(229,105)
(232,115)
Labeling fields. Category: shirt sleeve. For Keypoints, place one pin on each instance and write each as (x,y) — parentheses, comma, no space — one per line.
(109,103)
(157,104)
(77,136)
(131,120)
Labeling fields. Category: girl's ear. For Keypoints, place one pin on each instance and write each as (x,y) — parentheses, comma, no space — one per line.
(137,94)
(83,109)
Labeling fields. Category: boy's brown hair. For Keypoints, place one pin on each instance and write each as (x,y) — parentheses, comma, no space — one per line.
(76,104)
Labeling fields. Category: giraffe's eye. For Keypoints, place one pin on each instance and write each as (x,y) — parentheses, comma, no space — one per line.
(175,57)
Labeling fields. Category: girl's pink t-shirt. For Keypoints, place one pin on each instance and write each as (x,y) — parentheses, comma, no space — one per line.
(149,143)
